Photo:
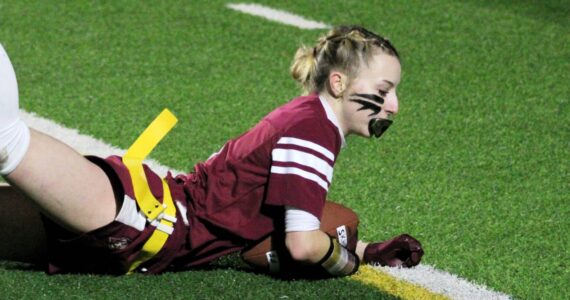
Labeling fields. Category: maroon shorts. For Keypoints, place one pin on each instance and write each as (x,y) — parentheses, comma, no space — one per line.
(111,249)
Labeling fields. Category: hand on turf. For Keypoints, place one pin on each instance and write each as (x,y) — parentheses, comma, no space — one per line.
(403,250)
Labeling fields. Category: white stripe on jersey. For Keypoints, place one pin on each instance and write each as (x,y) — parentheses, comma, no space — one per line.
(307,144)
(305,159)
(302,173)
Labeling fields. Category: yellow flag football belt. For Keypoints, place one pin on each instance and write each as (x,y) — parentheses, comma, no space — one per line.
(160,215)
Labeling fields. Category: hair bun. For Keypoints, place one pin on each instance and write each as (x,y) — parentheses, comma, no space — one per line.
(303,67)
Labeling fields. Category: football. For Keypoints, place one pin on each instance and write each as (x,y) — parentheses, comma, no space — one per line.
(337,221)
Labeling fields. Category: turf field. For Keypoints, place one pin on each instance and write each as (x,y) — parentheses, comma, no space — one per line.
(476,165)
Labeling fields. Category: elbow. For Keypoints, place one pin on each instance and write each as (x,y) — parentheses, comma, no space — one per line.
(303,248)
(301,253)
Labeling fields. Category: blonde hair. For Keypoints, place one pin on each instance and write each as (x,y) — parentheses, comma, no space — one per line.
(344,49)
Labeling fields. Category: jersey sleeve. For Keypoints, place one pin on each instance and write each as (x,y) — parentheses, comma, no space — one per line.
(302,166)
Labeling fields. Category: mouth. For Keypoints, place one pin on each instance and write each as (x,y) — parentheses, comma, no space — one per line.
(378,126)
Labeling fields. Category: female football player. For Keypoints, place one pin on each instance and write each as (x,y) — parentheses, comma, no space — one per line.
(274,177)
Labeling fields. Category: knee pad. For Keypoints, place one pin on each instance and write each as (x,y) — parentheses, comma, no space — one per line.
(14,134)
(8,92)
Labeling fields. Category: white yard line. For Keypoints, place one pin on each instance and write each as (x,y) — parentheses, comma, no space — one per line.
(444,283)
(277,15)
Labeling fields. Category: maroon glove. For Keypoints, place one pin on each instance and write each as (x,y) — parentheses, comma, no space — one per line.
(402,250)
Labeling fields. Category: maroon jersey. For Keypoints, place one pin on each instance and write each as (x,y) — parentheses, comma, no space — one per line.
(287,159)
(234,198)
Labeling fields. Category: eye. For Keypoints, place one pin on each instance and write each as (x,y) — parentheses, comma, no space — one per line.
(383,93)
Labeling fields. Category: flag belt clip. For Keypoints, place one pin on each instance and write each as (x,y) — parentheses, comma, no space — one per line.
(160,215)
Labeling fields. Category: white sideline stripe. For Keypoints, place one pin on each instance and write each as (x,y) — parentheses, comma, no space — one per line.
(85,144)
(303,158)
(277,15)
(444,283)
(302,173)
(427,276)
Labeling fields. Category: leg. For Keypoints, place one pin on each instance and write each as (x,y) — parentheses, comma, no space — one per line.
(64,185)
(22,230)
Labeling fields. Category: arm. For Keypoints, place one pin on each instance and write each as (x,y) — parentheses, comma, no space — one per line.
(305,242)
(360,247)
(325,252)
(307,246)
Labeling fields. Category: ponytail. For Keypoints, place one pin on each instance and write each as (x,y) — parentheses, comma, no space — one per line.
(304,67)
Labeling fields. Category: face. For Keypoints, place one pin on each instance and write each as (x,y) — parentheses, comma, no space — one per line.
(370,101)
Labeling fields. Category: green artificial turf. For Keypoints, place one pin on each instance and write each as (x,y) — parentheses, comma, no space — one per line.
(226,283)
(476,165)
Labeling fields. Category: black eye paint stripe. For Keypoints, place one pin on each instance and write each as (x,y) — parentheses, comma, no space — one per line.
(368,105)
(372,97)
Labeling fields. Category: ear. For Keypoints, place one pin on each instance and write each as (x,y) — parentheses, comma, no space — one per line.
(337,83)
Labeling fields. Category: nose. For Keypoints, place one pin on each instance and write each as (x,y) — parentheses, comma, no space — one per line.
(391,105)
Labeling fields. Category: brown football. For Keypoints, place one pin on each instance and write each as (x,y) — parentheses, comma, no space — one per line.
(338,221)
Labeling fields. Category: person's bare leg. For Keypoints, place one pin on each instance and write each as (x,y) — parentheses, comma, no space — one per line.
(64,185)
(67,187)
(22,236)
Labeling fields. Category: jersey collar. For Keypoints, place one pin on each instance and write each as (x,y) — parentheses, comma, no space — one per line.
(332,117)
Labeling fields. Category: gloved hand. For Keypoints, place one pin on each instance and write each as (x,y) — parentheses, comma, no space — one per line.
(402,250)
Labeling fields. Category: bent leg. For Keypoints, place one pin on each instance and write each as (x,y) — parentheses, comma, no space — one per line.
(67,187)
(22,232)
(63,184)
